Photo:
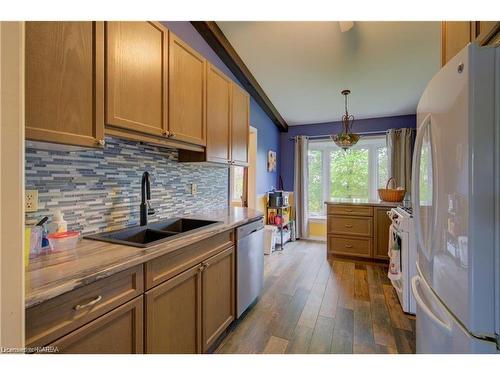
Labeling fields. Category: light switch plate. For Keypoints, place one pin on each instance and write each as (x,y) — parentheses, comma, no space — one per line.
(194,189)
(31,200)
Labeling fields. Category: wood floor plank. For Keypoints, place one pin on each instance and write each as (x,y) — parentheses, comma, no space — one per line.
(343,332)
(346,298)
(373,279)
(301,340)
(361,291)
(276,345)
(285,326)
(363,333)
(330,298)
(398,317)
(321,340)
(381,321)
(312,306)
(405,341)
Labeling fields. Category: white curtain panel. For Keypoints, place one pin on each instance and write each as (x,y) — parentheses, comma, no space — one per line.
(400,144)
(301,173)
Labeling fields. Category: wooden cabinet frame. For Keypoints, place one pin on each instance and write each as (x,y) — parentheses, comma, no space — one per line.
(41,133)
(113,84)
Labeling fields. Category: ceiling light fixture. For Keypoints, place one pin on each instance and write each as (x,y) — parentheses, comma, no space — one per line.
(346,138)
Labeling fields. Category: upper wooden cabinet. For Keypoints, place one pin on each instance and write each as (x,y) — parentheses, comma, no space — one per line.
(240,120)
(218,116)
(65,82)
(136,80)
(187,90)
(456,34)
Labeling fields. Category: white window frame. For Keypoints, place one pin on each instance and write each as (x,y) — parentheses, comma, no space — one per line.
(372,143)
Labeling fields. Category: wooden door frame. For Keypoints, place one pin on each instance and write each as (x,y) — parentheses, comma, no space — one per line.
(12,184)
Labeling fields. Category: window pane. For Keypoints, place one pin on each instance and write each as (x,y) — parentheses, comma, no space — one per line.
(349,173)
(383,173)
(315,182)
(238,183)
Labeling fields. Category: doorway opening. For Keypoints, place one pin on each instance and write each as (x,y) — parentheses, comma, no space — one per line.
(243,180)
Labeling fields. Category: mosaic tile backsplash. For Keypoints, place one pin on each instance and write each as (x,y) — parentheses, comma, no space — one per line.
(99,190)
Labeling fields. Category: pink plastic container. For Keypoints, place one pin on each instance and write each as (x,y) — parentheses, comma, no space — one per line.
(63,241)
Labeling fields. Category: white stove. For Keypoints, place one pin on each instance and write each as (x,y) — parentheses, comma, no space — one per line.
(402,229)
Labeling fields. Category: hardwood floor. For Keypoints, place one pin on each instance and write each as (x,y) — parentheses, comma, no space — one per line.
(314,305)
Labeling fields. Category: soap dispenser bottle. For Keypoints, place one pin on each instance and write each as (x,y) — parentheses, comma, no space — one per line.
(62,225)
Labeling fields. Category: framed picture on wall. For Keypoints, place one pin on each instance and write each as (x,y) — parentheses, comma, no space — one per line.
(271,161)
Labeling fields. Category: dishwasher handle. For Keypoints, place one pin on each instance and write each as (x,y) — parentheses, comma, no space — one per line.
(248,229)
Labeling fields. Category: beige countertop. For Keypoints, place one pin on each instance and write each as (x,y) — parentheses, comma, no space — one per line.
(368,202)
(49,276)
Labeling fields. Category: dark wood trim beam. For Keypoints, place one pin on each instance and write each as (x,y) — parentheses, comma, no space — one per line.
(216,39)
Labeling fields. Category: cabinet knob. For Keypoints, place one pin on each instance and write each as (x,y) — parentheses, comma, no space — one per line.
(101,142)
(348,246)
(172,135)
(166,133)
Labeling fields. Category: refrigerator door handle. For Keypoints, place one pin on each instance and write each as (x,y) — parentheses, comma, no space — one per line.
(415,283)
(415,188)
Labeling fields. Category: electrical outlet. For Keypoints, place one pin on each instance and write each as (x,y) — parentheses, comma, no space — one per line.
(31,200)
(194,189)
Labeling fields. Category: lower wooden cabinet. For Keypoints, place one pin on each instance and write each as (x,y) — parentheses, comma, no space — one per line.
(360,231)
(187,313)
(218,306)
(173,314)
(118,332)
(381,224)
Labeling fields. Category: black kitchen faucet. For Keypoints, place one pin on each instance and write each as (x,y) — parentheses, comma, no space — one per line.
(145,198)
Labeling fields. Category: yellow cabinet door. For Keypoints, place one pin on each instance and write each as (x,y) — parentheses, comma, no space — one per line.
(240,121)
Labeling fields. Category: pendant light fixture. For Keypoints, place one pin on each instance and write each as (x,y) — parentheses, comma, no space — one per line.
(346,138)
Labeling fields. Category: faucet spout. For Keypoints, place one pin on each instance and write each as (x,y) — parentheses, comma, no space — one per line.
(145,208)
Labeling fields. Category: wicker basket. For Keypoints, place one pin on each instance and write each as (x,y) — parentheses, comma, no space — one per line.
(391,195)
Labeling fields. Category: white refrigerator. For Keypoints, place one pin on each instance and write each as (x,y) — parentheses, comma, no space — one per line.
(456,206)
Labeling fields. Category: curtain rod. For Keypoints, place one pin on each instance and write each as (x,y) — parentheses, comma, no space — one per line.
(328,136)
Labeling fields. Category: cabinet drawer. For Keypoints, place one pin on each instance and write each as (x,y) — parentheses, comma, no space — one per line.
(56,317)
(350,246)
(356,226)
(120,331)
(349,210)
(172,264)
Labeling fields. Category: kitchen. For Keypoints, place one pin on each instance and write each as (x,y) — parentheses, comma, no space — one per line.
(156,224)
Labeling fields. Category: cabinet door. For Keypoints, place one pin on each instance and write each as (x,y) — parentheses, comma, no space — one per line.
(218,296)
(454,37)
(187,83)
(218,116)
(118,332)
(381,231)
(173,315)
(65,82)
(137,59)
(240,118)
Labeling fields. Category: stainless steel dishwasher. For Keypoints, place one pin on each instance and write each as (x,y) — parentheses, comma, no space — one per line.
(249,264)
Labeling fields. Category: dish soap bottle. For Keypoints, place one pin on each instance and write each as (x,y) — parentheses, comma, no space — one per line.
(62,225)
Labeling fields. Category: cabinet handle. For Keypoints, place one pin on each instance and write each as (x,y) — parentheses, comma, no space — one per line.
(203,267)
(91,303)
(172,135)
(166,133)
(348,225)
(348,210)
(348,246)
(101,142)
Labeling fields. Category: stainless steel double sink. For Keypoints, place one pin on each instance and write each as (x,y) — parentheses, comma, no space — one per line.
(153,233)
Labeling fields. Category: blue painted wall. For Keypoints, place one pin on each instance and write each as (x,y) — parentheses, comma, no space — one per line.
(366,125)
(268,133)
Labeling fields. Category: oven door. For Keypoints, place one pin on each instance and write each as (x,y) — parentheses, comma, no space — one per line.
(402,285)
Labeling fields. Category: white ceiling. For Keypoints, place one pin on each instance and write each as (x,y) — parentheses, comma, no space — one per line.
(303,66)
